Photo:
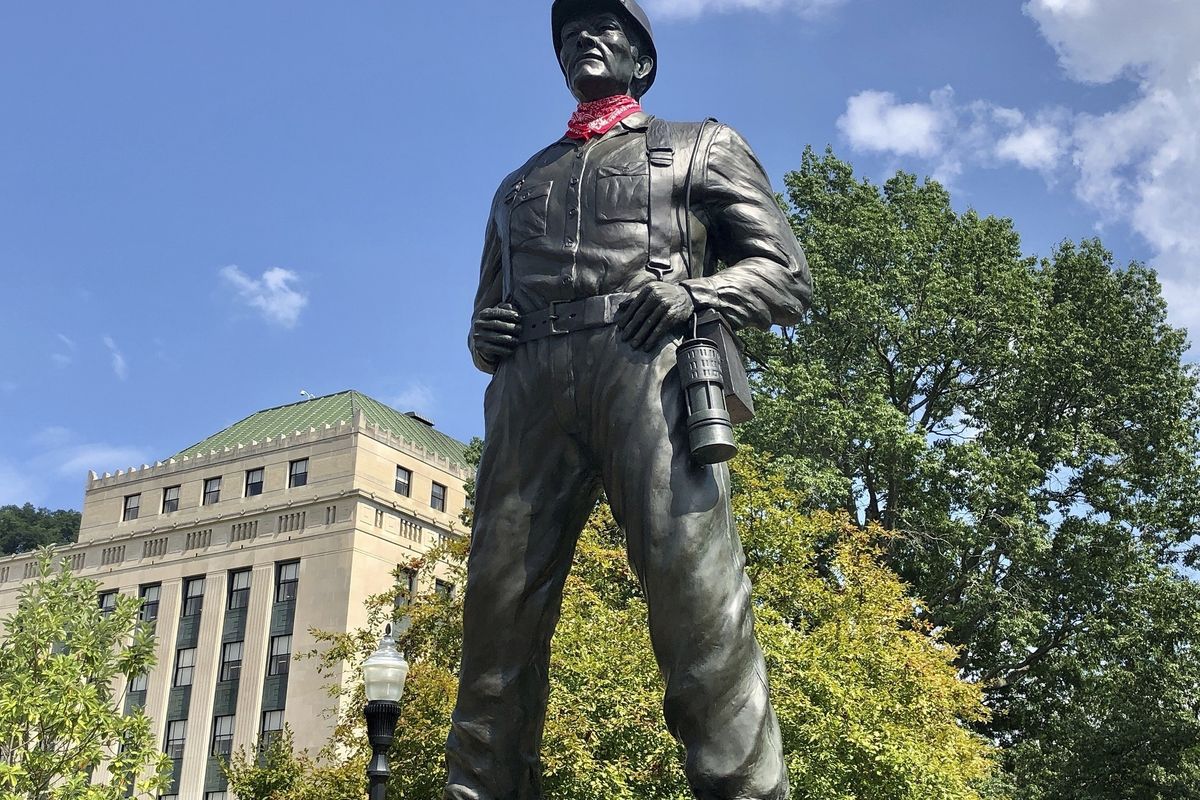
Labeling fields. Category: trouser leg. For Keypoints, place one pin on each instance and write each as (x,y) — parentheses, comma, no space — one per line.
(533,496)
(687,555)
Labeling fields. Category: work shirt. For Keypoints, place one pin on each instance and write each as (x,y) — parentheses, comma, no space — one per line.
(578,226)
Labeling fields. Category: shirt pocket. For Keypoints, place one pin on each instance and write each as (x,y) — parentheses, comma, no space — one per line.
(621,192)
(527,218)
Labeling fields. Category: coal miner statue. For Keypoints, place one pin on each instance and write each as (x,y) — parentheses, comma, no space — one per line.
(600,267)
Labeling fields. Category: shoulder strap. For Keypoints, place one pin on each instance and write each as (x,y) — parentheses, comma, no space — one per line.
(663,229)
(664,226)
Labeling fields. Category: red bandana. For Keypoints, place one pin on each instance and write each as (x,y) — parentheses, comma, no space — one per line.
(599,116)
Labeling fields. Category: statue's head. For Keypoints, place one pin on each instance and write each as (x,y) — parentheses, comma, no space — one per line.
(604,47)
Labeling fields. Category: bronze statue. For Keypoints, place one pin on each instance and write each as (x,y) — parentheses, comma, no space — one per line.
(598,252)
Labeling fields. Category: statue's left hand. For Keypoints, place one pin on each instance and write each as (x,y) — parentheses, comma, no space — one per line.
(656,310)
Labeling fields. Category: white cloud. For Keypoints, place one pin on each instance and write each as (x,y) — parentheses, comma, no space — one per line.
(120,367)
(62,451)
(415,397)
(66,357)
(273,294)
(1139,164)
(947,134)
(694,8)
(1033,146)
(874,121)
(75,460)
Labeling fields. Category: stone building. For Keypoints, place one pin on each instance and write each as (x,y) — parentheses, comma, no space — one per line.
(285,521)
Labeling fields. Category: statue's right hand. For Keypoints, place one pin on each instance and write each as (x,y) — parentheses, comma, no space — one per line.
(495,332)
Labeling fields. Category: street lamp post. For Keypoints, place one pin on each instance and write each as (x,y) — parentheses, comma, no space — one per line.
(383,676)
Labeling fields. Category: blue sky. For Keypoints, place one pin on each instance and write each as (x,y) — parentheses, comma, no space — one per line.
(207,207)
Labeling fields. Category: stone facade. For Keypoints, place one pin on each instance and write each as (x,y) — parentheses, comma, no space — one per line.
(346,529)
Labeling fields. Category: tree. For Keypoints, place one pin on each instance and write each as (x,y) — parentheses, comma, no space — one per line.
(25,528)
(1025,429)
(63,735)
(274,771)
(869,703)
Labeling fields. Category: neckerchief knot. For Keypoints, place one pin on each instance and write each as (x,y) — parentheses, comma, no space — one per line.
(598,117)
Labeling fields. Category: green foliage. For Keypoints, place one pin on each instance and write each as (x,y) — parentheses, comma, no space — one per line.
(25,528)
(1028,433)
(59,717)
(868,699)
(275,772)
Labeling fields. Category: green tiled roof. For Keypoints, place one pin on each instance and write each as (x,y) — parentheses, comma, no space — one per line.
(330,410)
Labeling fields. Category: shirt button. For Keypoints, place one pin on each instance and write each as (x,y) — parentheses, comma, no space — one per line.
(574,181)
(570,242)
(571,212)
(566,281)
(579,154)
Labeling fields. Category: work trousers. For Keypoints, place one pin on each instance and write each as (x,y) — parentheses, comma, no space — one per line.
(566,416)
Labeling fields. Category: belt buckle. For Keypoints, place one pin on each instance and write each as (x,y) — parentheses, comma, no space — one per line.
(553,317)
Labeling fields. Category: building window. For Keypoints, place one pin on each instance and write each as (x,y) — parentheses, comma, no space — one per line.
(254,482)
(193,596)
(272,727)
(221,795)
(185,666)
(298,474)
(231,661)
(212,490)
(150,595)
(281,655)
(222,737)
(132,503)
(404,481)
(443,588)
(138,683)
(239,589)
(285,582)
(437,497)
(170,499)
(176,735)
(108,602)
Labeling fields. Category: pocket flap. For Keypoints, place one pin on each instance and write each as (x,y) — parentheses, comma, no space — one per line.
(533,191)
(637,169)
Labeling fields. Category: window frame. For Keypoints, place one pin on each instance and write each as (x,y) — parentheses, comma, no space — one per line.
(407,492)
(129,513)
(292,583)
(179,667)
(107,608)
(149,609)
(433,497)
(219,738)
(293,475)
(241,593)
(170,743)
(141,679)
(258,484)
(193,604)
(268,735)
(212,488)
(279,663)
(230,669)
(168,500)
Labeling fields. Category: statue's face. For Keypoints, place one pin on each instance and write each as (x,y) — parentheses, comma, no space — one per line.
(598,57)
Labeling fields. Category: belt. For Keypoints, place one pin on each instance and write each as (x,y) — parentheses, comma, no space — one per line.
(567,317)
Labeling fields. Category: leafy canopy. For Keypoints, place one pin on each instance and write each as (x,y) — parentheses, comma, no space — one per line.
(1027,430)
(63,735)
